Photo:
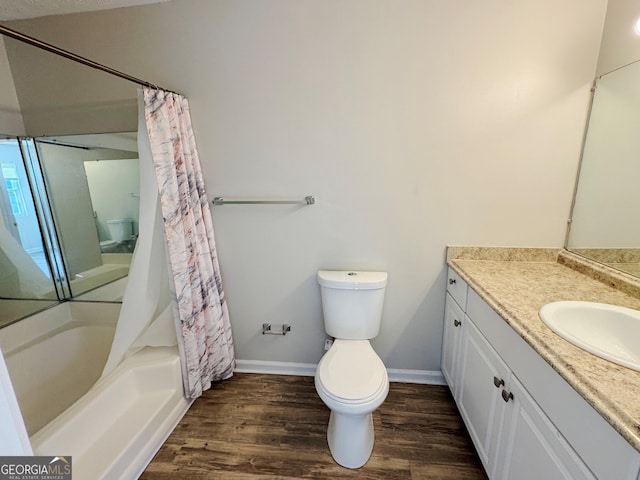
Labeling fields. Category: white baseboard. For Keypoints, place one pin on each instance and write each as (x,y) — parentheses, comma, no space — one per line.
(275,368)
(426,377)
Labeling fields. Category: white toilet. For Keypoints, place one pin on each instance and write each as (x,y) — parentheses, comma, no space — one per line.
(120,229)
(351,379)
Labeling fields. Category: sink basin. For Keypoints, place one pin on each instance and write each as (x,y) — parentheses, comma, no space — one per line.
(608,331)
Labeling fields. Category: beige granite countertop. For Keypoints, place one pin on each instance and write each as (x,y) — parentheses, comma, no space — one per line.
(517,282)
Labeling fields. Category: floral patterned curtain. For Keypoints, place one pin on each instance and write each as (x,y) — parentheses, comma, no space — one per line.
(202,319)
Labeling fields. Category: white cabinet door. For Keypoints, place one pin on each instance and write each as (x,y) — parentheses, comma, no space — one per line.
(482,377)
(451,340)
(530,447)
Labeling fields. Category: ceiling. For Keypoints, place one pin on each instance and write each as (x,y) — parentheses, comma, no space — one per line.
(20,9)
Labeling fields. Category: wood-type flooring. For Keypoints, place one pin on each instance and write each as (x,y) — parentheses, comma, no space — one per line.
(274,427)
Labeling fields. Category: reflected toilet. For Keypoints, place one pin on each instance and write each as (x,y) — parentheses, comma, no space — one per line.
(121,232)
(120,229)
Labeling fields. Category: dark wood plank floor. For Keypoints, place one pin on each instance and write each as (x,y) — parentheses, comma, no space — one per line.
(274,427)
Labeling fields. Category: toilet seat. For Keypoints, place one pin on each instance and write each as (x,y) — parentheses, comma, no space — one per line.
(352,373)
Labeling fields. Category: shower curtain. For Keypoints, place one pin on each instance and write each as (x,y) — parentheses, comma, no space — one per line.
(146,316)
(181,210)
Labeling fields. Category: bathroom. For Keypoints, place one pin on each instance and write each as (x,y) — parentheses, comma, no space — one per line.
(415,124)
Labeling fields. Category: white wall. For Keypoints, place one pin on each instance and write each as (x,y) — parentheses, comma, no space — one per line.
(10,117)
(620,43)
(416,123)
(112,183)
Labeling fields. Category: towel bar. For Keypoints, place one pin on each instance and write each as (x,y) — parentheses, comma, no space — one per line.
(308,200)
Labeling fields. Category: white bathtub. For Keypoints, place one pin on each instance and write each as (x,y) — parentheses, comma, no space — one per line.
(111,292)
(112,427)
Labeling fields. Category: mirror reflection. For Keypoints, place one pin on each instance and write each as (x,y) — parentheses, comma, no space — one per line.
(26,281)
(76,181)
(603,225)
(68,219)
(93,188)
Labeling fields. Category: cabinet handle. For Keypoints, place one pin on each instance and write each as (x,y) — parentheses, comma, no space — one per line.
(506,396)
(452,281)
(498,382)
(456,323)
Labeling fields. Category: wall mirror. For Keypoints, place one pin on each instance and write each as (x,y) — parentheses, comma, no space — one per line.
(68,219)
(604,225)
(27,282)
(69,187)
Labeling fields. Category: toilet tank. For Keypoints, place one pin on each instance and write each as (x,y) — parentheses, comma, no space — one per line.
(120,229)
(352,303)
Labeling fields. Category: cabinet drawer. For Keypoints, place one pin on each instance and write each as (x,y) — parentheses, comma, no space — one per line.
(458,288)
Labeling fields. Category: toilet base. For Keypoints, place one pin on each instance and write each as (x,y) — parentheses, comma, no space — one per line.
(350,438)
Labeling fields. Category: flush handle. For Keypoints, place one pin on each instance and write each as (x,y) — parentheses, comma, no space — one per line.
(498,382)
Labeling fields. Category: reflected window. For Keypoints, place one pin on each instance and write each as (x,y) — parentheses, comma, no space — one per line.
(14,190)
(24,265)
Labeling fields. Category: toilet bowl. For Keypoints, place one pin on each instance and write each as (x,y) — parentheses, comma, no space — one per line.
(108,246)
(352,381)
(350,378)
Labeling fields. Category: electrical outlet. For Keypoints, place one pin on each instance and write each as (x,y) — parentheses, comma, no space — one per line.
(327,343)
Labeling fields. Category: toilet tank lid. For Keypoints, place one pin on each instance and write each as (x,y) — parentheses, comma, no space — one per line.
(352,280)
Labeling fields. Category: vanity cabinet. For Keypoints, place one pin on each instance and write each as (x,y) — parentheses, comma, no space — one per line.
(513,437)
(525,421)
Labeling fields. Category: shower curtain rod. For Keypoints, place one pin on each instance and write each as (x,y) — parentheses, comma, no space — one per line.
(21,37)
